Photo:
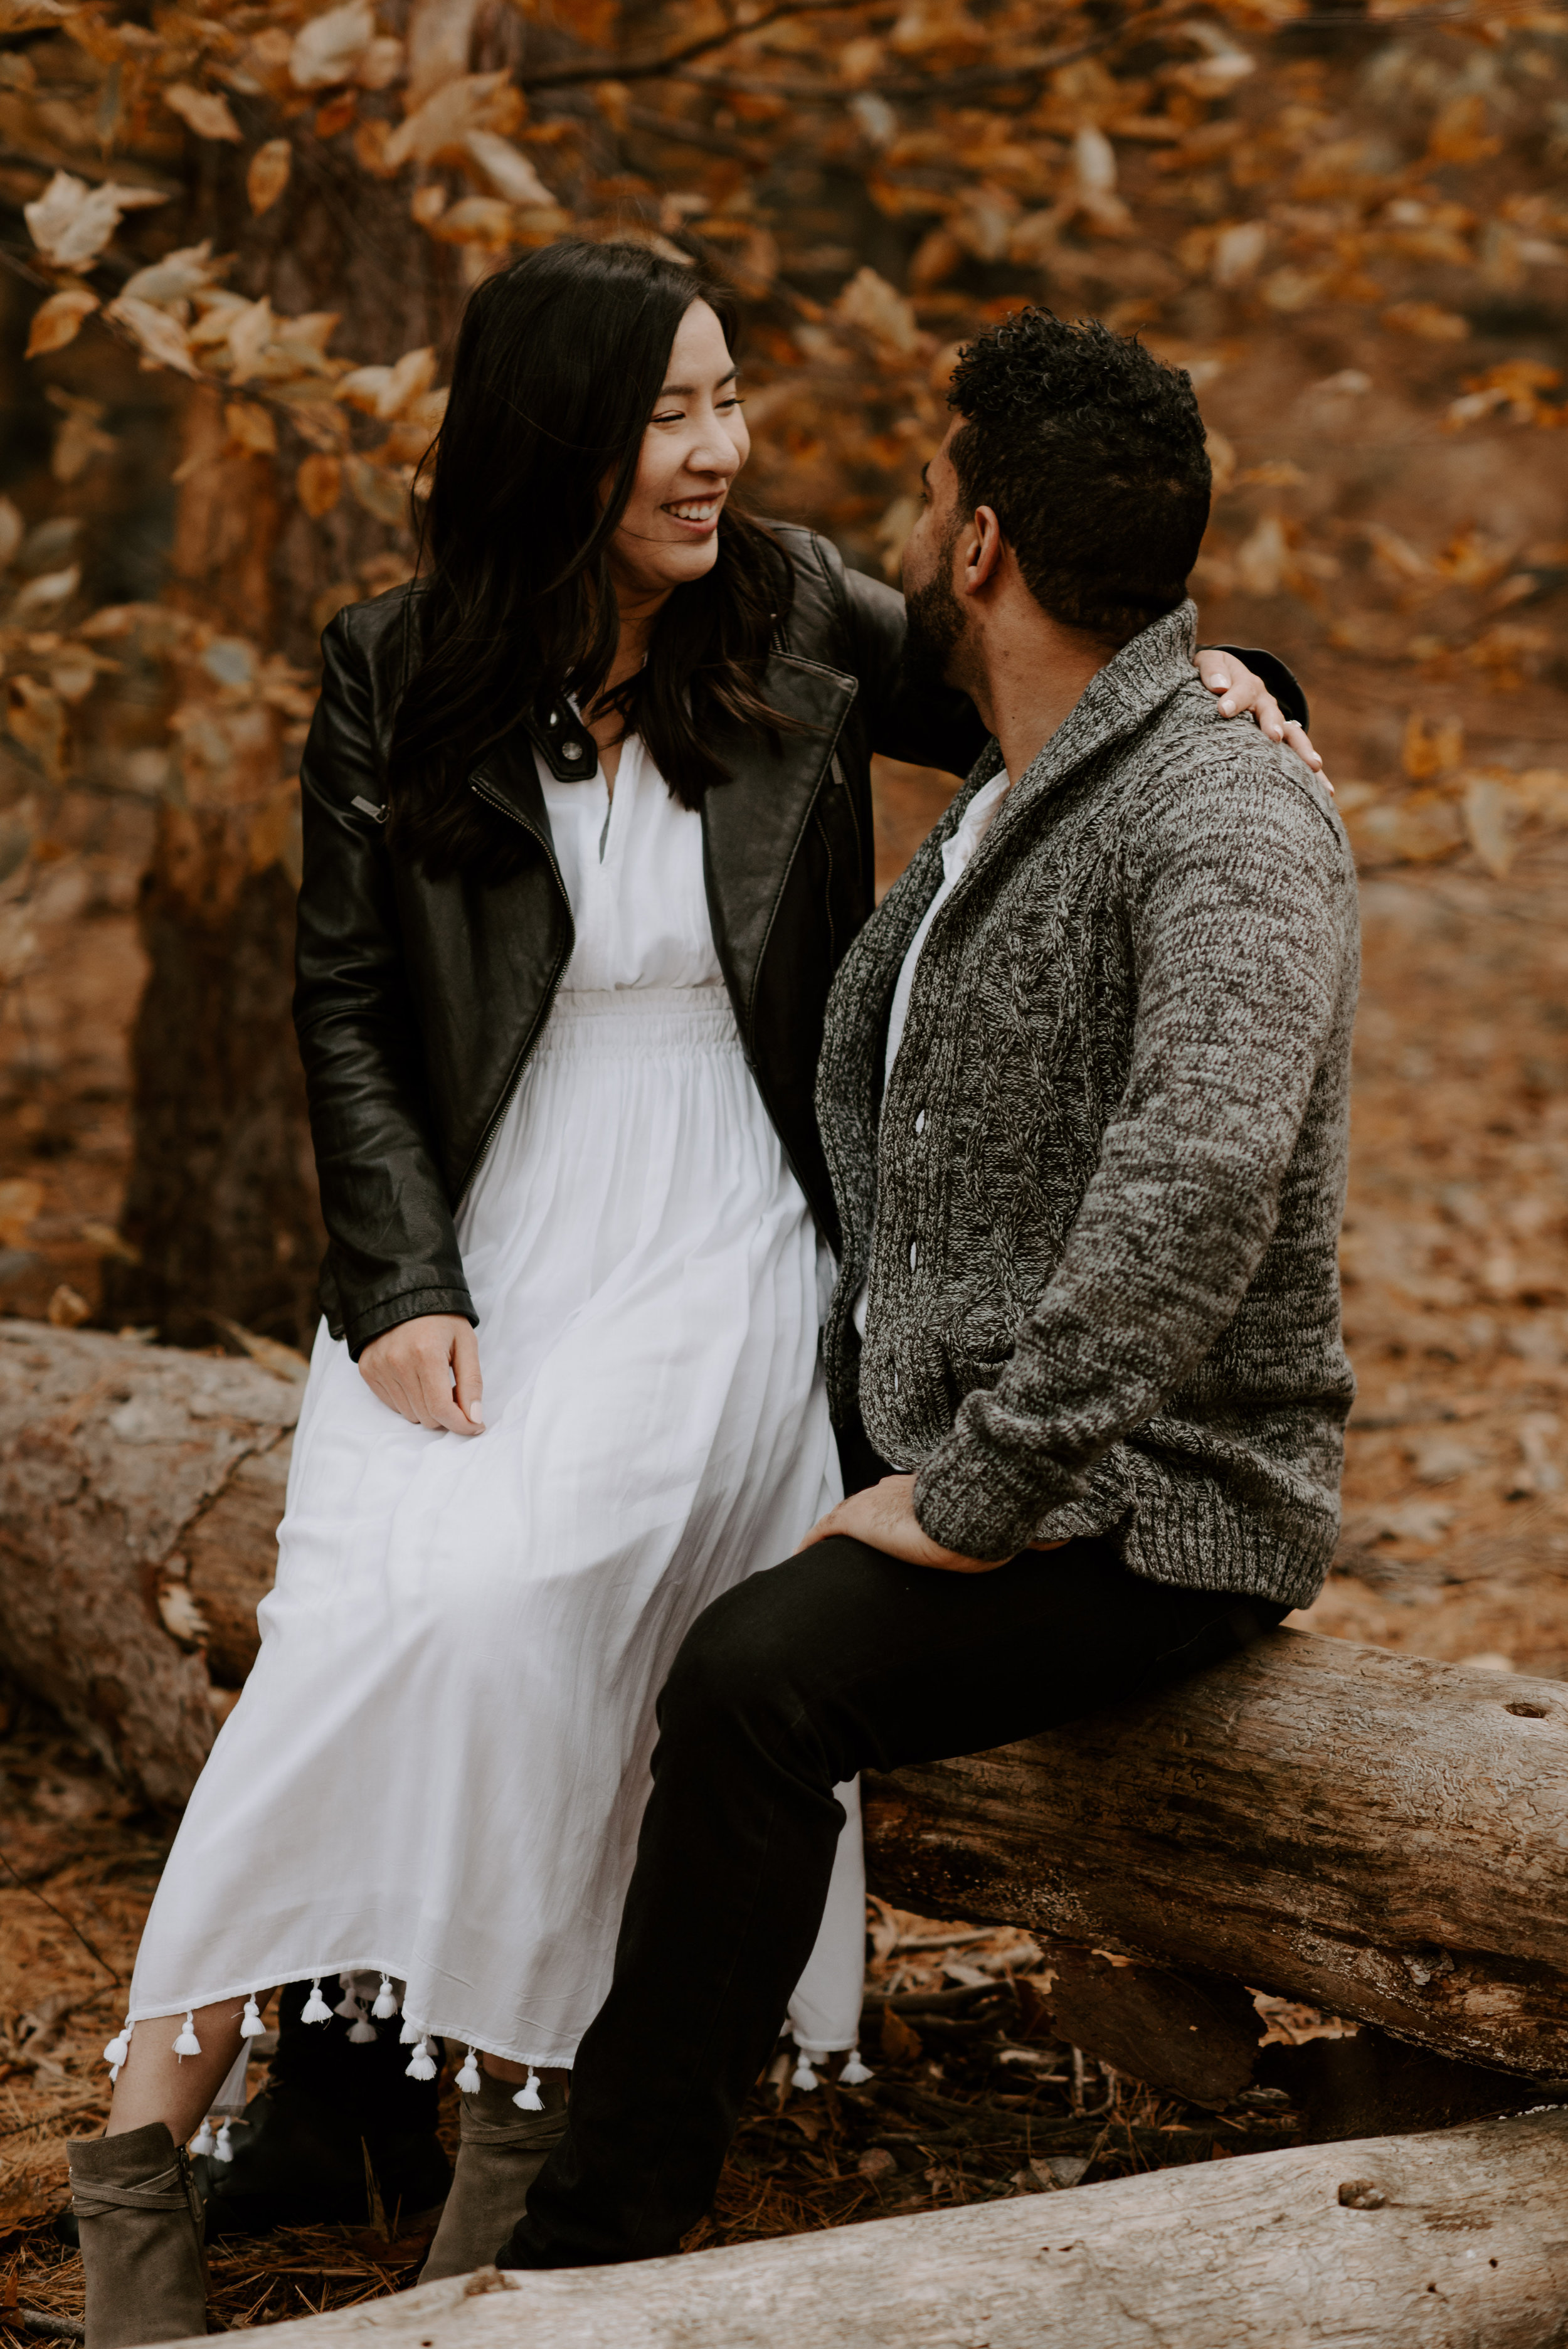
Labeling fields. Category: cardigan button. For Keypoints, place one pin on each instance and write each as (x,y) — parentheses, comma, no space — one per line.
(913,1253)
(920,1122)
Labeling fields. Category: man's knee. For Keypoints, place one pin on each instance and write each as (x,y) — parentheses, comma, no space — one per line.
(746,1662)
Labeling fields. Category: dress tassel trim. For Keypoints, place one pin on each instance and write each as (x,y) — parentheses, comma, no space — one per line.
(351,2008)
(223,2151)
(802,2077)
(355,2008)
(855,2074)
(204,2141)
(115,2053)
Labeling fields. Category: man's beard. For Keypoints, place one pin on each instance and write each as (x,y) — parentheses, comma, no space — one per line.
(934,619)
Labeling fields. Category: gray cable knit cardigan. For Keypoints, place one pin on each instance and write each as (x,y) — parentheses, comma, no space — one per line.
(1099,1206)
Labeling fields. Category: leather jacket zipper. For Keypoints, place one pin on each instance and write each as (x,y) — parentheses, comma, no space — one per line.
(525,1050)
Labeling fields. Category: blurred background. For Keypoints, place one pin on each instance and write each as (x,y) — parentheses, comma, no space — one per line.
(236,244)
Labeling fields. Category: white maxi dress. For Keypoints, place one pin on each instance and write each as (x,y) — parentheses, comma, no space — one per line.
(438,1767)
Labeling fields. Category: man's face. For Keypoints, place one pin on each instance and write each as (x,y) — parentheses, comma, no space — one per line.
(937,618)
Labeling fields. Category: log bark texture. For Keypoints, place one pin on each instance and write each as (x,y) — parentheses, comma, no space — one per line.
(1458,2241)
(140,1493)
(1384,1836)
(1380,1836)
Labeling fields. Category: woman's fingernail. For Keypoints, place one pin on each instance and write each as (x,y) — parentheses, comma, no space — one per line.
(477,1414)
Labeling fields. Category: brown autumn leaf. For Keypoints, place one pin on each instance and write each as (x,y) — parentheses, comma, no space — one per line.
(869,302)
(507,167)
(268,175)
(57,321)
(1493,814)
(251,428)
(900,2044)
(1428,320)
(483,221)
(70,222)
(381,494)
(69,1308)
(318,484)
(1426,751)
(1263,559)
(21,1204)
(248,333)
(22,2206)
(35,719)
(163,341)
(437,131)
(381,63)
(79,440)
(1417,830)
(204,111)
(336,114)
(328,47)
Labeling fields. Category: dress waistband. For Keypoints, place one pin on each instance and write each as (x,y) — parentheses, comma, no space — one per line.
(639,1018)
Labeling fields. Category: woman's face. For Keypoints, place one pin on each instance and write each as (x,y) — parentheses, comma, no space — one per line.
(694,444)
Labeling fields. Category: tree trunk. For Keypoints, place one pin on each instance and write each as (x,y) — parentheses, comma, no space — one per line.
(1450,2241)
(1380,1836)
(222,1202)
(140,1494)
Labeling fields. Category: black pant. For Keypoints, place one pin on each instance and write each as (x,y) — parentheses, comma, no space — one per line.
(842,1660)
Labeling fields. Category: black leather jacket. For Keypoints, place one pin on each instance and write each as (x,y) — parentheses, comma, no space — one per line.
(418,1002)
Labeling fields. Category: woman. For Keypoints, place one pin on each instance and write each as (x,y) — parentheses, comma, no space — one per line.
(587,828)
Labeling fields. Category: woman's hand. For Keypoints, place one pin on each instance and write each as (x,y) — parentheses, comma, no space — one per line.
(884,1518)
(1240,692)
(427,1370)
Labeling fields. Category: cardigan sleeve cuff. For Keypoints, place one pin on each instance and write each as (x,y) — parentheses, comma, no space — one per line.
(360,1328)
(974,1500)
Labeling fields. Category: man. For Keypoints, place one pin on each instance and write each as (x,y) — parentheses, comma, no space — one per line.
(1084,1093)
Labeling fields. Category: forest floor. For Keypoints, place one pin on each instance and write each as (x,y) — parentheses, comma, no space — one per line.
(1456,1545)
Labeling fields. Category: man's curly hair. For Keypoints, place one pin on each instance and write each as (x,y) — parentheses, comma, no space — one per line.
(1092,454)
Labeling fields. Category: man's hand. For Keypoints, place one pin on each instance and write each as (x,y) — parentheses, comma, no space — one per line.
(884,1518)
(1240,692)
(427,1370)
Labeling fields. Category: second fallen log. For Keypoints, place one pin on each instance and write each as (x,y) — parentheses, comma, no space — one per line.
(1383,1836)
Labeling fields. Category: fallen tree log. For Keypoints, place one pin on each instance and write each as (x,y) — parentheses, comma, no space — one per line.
(1379,1836)
(1382,1837)
(141,1488)
(1458,2241)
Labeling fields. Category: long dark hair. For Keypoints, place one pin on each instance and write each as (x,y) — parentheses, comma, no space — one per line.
(559,362)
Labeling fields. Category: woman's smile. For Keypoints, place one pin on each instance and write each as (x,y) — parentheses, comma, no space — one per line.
(699,515)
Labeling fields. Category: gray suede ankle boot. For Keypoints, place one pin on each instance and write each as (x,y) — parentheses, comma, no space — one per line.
(140,2221)
(502,2151)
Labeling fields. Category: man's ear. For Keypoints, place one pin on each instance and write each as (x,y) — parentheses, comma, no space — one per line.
(983,545)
